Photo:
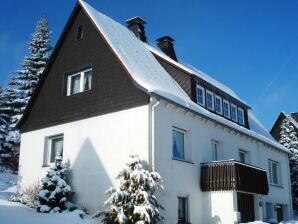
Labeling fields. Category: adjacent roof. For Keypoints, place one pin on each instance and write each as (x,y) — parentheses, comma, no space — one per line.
(152,78)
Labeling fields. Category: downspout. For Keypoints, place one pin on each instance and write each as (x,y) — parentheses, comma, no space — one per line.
(151,131)
(290,189)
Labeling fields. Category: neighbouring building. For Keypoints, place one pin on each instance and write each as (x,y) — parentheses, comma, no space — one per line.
(106,93)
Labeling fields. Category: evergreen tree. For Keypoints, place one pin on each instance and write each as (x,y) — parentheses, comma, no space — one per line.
(55,194)
(134,200)
(25,80)
(288,138)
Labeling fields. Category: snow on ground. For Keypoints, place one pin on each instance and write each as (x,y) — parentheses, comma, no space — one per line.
(16,213)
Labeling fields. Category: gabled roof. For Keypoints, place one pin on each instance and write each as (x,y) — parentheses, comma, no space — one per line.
(282,116)
(150,77)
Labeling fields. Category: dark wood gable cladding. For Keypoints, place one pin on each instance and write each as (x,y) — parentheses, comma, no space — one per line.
(188,82)
(233,175)
(112,88)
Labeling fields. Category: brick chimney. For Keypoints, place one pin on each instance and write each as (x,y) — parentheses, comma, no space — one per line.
(165,44)
(295,116)
(136,25)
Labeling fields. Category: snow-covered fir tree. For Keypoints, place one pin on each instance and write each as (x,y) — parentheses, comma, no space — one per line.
(288,138)
(134,201)
(55,194)
(25,80)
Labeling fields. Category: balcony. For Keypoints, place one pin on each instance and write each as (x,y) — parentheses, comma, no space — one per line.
(233,175)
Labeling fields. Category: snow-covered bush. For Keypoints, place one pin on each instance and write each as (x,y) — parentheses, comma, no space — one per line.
(288,138)
(134,201)
(28,196)
(55,193)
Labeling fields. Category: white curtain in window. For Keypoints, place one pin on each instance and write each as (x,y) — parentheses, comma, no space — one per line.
(75,84)
(56,147)
(178,144)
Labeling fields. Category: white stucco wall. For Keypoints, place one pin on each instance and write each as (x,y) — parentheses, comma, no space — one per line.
(97,149)
(183,178)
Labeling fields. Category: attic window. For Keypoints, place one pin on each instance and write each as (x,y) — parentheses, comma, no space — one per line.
(80,33)
(79,82)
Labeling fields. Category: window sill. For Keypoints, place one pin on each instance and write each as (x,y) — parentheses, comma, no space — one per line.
(182,160)
(276,185)
(45,166)
(75,94)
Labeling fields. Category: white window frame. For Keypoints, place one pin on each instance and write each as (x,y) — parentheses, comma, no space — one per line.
(278,174)
(236,112)
(216,152)
(48,148)
(241,151)
(220,106)
(184,143)
(211,93)
(198,87)
(241,111)
(223,110)
(82,78)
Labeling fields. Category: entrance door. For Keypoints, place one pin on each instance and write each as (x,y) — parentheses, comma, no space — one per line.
(246,207)
(279,213)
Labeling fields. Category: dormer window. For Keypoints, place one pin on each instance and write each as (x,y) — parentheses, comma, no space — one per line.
(218,104)
(79,82)
(79,33)
(226,108)
(200,95)
(241,116)
(209,100)
(234,112)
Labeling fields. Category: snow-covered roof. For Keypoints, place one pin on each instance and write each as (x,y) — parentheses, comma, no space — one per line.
(151,77)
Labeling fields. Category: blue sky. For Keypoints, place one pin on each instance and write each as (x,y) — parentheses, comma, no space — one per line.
(249,45)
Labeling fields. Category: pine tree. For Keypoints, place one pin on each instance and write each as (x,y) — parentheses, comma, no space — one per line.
(25,80)
(55,194)
(134,200)
(288,138)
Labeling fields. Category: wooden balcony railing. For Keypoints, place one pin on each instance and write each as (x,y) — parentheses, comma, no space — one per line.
(233,175)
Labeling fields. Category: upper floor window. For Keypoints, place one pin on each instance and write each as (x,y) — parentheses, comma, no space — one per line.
(241,116)
(79,82)
(182,210)
(274,172)
(218,104)
(53,147)
(178,138)
(216,150)
(234,112)
(226,108)
(200,95)
(243,156)
(79,33)
(209,100)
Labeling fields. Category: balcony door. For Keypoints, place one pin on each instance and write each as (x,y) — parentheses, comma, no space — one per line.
(246,207)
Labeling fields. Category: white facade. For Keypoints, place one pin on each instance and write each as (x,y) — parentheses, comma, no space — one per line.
(97,149)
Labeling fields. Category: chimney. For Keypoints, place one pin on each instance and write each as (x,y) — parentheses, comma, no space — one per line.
(136,25)
(166,45)
(295,116)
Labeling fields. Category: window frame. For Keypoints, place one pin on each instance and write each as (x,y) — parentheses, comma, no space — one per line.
(198,87)
(48,148)
(278,173)
(236,112)
(229,108)
(186,209)
(242,112)
(243,152)
(79,31)
(82,79)
(221,108)
(215,153)
(184,132)
(212,97)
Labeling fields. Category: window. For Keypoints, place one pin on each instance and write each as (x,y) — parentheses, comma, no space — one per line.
(242,156)
(182,210)
(226,108)
(233,112)
(216,150)
(274,172)
(53,147)
(178,144)
(200,95)
(80,33)
(241,116)
(209,97)
(218,104)
(79,82)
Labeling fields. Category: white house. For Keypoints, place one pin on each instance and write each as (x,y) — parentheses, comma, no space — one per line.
(106,93)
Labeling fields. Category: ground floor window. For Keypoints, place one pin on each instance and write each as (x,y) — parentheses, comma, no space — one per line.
(53,147)
(246,207)
(182,210)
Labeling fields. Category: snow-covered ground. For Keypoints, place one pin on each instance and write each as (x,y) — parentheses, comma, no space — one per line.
(16,213)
